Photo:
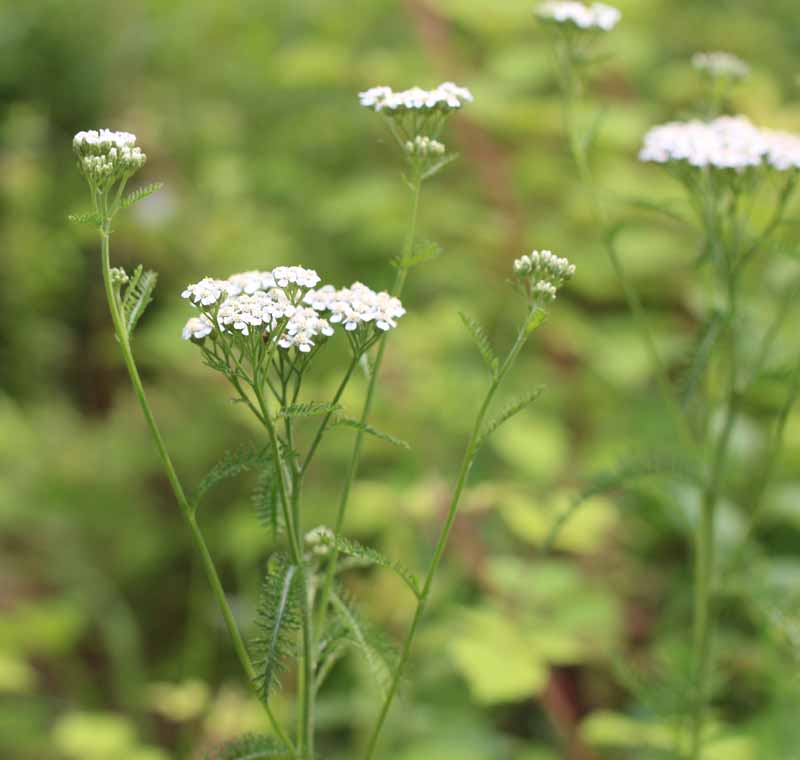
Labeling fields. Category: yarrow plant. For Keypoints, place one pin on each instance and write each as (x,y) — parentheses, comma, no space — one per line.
(262,330)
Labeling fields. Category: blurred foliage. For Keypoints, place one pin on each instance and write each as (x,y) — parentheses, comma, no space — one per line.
(110,646)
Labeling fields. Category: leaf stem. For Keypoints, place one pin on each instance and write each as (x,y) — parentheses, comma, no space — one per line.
(444,534)
(177,488)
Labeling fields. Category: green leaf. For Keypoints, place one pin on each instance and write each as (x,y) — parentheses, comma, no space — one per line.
(425,251)
(92,218)
(267,502)
(278,620)
(510,411)
(358,425)
(369,641)
(637,468)
(439,165)
(310,409)
(138,295)
(482,342)
(701,355)
(251,747)
(234,463)
(368,556)
(140,194)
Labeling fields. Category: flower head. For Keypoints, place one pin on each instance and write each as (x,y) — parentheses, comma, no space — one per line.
(197,328)
(720,65)
(727,142)
(598,16)
(105,156)
(542,274)
(320,540)
(448,96)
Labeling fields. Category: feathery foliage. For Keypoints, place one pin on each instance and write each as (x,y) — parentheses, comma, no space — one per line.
(656,463)
(92,218)
(234,463)
(350,422)
(701,355)
(366,638)
(251,747)
(266,500)
(510,411)
(366,555)
(138,295)
(309,409)
(278,620)
(427,250)
(482,342)
(140,194)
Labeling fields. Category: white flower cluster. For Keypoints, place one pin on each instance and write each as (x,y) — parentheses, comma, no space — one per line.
(544,273)
(320,540)
(105,156)
(356,306)
(424,147)
(596,16)
(720,64)
(727,142)
(444,98)
(260,301)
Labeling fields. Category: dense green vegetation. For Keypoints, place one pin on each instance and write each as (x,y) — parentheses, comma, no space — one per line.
(110,644)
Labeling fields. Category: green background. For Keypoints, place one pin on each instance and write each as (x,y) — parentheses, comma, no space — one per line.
(110,644)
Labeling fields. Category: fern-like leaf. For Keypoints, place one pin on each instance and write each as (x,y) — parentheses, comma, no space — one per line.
(233,464)
(366,555)
(701,355)
(140,194)
(92,218)
(266,501)
(425,251)
(366,638)
(138,295)
(635,469)
(251,747)
(510,411)
(310,409)
(482,342)
(358,425)
(278,620)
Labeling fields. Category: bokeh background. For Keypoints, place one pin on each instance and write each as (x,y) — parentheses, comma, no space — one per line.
(110,644)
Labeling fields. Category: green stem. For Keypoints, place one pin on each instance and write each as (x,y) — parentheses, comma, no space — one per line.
(291,508)
(444,535)
(177,488)
(705,553)
(397,290)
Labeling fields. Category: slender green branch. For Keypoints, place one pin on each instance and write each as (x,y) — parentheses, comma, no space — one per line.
(180,496)
(355,458)
(444,535)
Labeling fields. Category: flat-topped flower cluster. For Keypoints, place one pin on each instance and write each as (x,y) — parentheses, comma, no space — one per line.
(283,305)
(543,273)
(448,96)
(720,64)
(597,16)
(105,156)
(727,142)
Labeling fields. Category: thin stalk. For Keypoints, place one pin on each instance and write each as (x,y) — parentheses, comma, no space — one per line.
(177,488)
(578,151)
(355,458)
(444,535)
(291,508)
(705,550)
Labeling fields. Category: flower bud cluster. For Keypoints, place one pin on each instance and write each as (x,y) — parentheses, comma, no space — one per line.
(320,540)
(444,98)
(720,65)
(543,273)
(105,156)
(598,16)
(118,276)
(424,147)
(727,142)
